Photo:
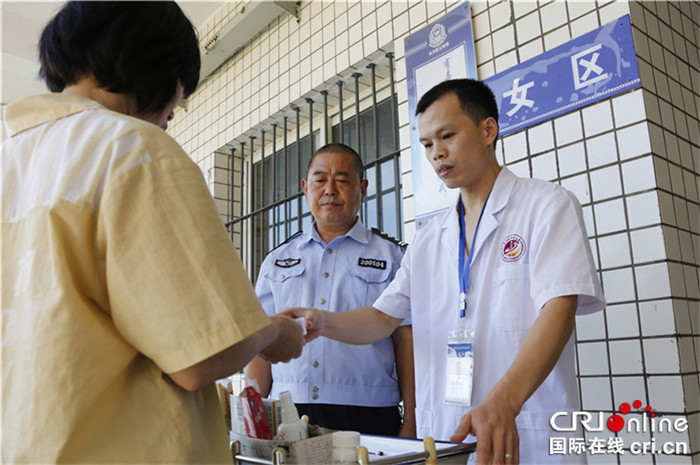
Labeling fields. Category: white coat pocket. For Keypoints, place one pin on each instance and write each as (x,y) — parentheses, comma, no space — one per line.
(509,313)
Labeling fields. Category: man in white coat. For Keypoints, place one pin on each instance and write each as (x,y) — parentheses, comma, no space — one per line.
(492,287)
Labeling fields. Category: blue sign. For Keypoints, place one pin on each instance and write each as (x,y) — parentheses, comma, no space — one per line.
(592,67)
(440,51)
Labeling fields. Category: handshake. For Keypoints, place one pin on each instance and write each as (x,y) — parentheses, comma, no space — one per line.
(365,325)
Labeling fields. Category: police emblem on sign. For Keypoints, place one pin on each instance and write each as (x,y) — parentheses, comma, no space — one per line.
(512,248)
(287,262)
(372,263)
(438,34)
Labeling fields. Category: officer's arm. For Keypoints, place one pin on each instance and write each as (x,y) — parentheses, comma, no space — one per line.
(261,371)
(493,421)
(403,354)
(259,368)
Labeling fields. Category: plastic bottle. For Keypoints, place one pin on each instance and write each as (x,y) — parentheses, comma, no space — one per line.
(292,427)
(345,444)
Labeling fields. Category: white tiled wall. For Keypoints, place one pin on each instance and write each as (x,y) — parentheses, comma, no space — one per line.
(666,36)
(632,161)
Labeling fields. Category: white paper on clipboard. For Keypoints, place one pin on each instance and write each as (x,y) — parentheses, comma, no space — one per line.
(386,446)
(382,448)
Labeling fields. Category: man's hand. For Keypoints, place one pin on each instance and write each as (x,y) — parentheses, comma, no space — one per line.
(289,341)
(493,424)
(365,325)
(313,318)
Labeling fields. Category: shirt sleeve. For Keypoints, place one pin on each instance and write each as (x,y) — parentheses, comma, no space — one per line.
(562,262)
(395,300)
(177,289)
(263,288)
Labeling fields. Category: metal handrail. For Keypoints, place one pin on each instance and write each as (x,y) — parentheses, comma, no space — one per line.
(422,457)
(429,456)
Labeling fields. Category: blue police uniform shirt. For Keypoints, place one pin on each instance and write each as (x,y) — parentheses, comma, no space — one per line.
(350,272)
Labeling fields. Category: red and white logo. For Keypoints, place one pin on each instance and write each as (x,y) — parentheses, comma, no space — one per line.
(512,248)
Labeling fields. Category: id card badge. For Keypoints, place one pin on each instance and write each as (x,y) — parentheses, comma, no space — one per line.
(460,367)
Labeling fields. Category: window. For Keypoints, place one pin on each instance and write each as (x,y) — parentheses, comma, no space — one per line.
(271,206)
(382,207)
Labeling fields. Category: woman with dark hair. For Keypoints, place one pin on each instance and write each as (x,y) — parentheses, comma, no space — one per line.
(123,299)
(137,48)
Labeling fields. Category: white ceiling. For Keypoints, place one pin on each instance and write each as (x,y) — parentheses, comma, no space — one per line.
(22,23)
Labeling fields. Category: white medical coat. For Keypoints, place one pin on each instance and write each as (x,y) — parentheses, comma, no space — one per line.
(531,246)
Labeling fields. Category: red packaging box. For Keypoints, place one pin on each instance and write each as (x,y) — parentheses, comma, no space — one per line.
(256,424)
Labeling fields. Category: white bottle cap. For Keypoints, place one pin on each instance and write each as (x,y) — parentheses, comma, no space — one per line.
(289,410)
(347,439)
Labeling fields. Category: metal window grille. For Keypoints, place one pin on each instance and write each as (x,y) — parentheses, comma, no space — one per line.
(267,204)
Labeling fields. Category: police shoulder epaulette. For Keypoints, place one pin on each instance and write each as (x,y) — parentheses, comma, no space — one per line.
(289,239)
(389,238)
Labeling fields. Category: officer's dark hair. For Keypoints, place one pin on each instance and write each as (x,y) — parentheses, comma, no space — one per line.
(139,48)
(337,147)
(476,99)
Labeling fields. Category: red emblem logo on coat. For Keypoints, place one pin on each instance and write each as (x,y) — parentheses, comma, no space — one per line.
(512,248)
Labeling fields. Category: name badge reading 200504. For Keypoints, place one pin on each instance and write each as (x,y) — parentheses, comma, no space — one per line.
(372,263)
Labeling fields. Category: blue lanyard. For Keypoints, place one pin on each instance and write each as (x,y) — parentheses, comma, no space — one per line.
(464,270)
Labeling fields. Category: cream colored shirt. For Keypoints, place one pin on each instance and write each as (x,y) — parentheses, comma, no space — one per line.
(116,269)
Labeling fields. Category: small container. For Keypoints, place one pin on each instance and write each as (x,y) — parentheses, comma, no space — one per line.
(292,427)
(345,444)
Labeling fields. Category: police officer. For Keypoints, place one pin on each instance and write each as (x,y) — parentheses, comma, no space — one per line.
(337,266)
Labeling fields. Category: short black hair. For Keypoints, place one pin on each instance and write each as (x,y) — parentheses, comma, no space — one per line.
(475,98)
(337,147)
(142,48)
